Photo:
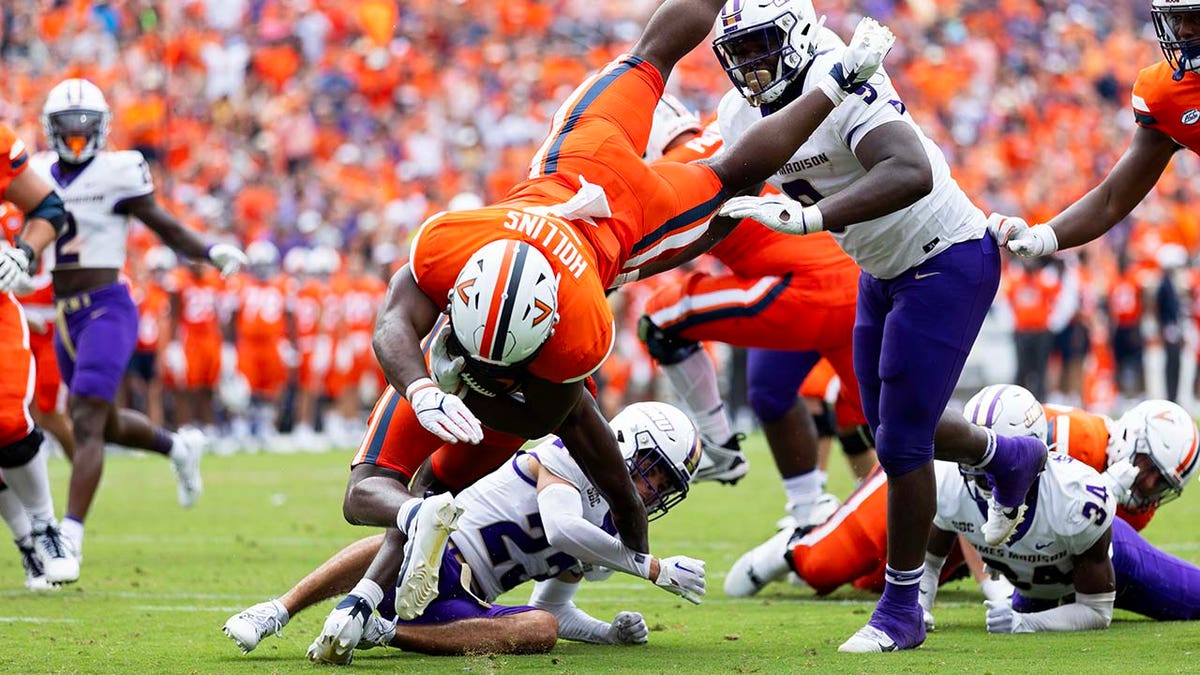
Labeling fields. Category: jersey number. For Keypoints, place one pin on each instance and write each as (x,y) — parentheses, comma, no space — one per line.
(496,538)
(802,191)
(1093,511)
(64,252)
(1043,575)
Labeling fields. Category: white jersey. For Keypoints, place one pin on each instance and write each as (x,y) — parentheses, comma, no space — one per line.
(93,196)
(500,532)
(825,165)
(1072,511)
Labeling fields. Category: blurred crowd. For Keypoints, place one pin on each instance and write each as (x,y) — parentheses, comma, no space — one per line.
(339,125)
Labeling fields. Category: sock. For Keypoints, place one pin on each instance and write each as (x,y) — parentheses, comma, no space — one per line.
(31,483)
(903,586)
(989,453)
(802,492)
(281,613)
(72,530)
(695,381)
(367,590)
(14,516)
(163,443)
(407,512)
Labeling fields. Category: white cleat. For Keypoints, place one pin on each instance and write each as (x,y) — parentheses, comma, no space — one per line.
(725,464)
(342,633)
(417,584)
(35,574)
(58,558)
(378,632)
(1001,522)
(759,566)
(868,640)
(248,627)
(185,461)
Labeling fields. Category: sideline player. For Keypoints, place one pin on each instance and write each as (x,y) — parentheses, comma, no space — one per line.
(1166,108)
(543,256)
(930,272)
(773,279)
(22,458)
(535,517)
(97,320)
(1128,454)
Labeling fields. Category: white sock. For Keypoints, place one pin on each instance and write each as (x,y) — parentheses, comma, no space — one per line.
(695,381)
(408,510)
(368,590)
(281,612)
(805,488)
(13,513)
(72,531)
(31,483)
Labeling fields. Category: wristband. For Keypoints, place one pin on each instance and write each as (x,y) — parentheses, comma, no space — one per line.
(417,385)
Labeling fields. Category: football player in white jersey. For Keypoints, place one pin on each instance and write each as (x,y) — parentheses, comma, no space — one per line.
(536,517)
(97,319)
(930,272)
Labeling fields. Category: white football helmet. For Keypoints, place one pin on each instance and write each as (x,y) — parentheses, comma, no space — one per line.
(1164,432)
(504,303)
(295,261)
(1177,23)
(652,436)
(324,261)
(262,259)
(765,46)
(75,120)
(671,119)
(1009,410)
(160,259)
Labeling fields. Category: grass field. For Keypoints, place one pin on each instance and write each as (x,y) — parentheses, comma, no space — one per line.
(158,583)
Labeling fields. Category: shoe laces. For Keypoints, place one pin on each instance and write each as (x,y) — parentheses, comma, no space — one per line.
(52,542)
(265,618)
(31,562)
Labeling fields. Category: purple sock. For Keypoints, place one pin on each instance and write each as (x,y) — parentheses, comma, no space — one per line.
(902,588)
(162,442)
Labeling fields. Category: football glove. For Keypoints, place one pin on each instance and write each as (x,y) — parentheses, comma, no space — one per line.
(628,628)
(443,415)
(1120,477)
(776,212)
(14,263)
(1001,617)
(228,258)
(682,576)
(446,369)
(1021,238)
(862,57)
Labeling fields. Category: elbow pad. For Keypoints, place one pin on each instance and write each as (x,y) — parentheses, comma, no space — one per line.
(53,210)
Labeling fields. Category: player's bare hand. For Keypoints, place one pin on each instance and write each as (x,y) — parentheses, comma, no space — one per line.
(860,61)
(628,628)
(776,212)
(682,576)
(443,415)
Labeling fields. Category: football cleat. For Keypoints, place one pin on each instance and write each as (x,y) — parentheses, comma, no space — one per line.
(1006,505)
(725,463)
(868,640)
(1001,522)
(342,633)
(248,627)
(759,566)
(58,559)
(377,633)
(185,461)
(35,573)
(428,533)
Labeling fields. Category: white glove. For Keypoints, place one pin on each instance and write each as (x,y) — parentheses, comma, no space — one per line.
(1120,477)
(1021,238)
(228,258)
(1001,618)
(443,415)
(24,285)
(863,56)
(776,212)
(14,263)
(628,628)
(682,576)
(445,368)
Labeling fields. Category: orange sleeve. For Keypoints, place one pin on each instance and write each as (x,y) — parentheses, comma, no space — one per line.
(17,156)
(1145,92)
(1138,520)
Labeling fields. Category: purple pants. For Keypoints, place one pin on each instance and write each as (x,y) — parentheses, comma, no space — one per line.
(912,335)
(97,332)
(774,378)
(1149,582)
(453,602)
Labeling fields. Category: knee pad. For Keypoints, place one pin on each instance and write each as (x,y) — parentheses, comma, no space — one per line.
(857,441)
(18,454)
(666,349)
(826,421)
(900,453)
(770,403)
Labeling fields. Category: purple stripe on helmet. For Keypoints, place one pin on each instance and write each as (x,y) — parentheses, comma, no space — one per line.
(992,407)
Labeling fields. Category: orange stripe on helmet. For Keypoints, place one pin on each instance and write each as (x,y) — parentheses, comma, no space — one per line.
(489,326)
(1191,456)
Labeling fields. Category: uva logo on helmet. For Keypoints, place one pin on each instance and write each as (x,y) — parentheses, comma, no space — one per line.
(504,303)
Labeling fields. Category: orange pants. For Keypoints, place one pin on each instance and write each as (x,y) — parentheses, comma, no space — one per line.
(17,384)
(203,354)
(49,392)
(396,440)
(260,361)
(788,313)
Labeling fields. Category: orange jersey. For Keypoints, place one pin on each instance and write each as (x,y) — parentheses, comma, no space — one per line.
(360,303)
(262,309)
(198,301)
(15,158)
(40,303)
(1172,107)
(153,304)
(1031,294)
(307,302)
(755,250)
(1086,437)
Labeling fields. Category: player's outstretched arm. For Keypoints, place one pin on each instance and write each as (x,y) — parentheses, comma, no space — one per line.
(228,258)
(675,29)
(561,507)
(557,597)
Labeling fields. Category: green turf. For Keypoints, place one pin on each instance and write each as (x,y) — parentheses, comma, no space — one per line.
(158,583)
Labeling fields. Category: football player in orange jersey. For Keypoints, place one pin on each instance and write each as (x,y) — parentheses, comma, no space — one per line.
(525,279)
(193,358)
(773,279)
(308,299)
(1146,458)
(360,296)
(1166,108)
(25,500)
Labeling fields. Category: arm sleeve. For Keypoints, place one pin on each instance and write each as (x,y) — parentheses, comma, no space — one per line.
(556,597)
(568,531)
(1088,612)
